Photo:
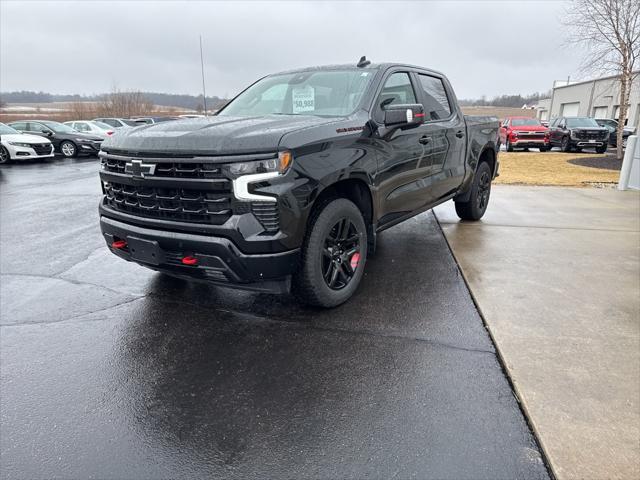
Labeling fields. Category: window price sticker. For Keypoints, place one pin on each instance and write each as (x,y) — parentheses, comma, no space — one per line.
(303,99)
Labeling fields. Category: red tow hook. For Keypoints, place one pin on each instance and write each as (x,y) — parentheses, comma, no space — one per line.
(189,260)
(119,244)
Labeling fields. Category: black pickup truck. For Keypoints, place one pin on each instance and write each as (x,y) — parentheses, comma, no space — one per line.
(287,187)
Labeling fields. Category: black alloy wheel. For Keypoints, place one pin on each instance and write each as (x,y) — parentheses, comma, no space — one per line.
(334,254)
(341,254)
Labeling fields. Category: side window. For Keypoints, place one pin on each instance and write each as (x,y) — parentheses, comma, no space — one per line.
(554,123)
(397,90)
(36,127)
(435,97)
(19,125)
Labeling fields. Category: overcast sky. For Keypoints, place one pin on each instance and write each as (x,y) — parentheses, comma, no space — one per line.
(485,47)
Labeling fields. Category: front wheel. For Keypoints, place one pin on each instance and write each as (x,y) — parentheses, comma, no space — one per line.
(474,208)
(565,144)
(508,146)
(333,255)
(4,155)
(68,149)
(601,149)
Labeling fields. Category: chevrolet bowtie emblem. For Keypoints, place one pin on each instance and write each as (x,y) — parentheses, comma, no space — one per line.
(139,169)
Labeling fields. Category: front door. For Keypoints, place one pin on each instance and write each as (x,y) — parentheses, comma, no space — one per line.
(401,155)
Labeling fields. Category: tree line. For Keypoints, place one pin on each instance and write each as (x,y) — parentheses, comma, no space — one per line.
(191,102)
(516,101)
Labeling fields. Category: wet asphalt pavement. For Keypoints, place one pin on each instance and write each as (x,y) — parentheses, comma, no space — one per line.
(110,370)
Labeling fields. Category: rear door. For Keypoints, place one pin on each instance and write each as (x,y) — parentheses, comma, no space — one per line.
(443,136)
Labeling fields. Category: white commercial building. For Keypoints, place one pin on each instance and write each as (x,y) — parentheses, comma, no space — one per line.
(599,98)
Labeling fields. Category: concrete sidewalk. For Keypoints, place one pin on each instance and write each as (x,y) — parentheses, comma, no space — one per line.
(556,275)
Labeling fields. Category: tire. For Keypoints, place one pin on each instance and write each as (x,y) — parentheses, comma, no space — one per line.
(474,208)
(334,254)
(508,146)
(602,149)
(565,144)
(544,149)
(624,142)
(4,155)
(68,149)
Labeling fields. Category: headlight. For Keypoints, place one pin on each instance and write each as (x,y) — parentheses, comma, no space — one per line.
(276,165)
(21,144)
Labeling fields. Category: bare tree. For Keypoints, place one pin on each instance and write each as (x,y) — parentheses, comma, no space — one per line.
(611,31)
(124,104)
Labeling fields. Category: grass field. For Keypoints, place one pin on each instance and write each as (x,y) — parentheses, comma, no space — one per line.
(552,168)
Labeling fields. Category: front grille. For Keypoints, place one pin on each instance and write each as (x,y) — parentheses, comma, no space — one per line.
(170,169)
(185,205)
(591,135)
(267,214)
(43,148)
(183,188)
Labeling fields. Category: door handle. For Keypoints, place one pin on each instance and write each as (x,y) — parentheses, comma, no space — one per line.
(425,140)
(459,134)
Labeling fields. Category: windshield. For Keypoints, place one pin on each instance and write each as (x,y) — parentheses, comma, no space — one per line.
(7,130)
(525,122)
(103,126)
(59,127)
(321,92)
(581,122)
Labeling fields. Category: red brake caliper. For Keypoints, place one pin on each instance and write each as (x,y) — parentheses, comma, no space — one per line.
(355,258)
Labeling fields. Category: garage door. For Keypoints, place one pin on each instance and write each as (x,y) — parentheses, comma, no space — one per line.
(599,112)
(570,109)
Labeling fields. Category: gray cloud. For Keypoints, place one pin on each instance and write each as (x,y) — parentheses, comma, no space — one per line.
(485,47)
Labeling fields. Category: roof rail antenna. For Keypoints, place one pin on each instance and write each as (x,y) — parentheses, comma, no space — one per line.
(363,62)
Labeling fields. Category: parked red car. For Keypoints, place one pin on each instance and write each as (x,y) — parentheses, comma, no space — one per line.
(524,132)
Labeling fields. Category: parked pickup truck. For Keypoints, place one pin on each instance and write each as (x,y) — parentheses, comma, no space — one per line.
(524,132)
(288,186)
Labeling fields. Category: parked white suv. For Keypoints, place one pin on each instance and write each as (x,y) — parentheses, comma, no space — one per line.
(15,145)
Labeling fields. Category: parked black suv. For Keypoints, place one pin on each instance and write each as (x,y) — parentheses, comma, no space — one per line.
(571,133)
(290,183)
(612,125)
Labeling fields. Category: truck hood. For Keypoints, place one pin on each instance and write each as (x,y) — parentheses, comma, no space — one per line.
(530,128)
(214,135)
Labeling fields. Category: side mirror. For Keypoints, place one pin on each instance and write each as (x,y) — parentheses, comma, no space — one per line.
(404,115)
(47,132)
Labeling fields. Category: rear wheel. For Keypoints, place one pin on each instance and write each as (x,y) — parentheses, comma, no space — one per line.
(333,255)
(4,155)
(68,149)
(474,208)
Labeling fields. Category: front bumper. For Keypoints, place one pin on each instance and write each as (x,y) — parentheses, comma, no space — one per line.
(25,153)
(529,142)
(219,260)
(91,148)
(587,144)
